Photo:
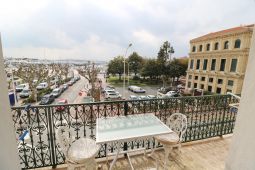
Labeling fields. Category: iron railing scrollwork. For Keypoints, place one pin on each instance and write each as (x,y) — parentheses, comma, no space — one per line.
(208,116)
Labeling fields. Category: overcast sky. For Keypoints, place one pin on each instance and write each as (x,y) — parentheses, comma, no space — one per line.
(102,29)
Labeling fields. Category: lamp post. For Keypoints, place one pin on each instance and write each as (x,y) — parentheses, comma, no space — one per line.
(124,96)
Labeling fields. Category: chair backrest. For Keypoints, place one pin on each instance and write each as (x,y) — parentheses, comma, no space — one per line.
(63,138)
(178,123)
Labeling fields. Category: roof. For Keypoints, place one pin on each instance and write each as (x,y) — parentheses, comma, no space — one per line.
(241,28)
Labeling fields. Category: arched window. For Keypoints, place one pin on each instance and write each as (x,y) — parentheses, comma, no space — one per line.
(194,49)
(200,47)
(238,43)
(226,45)
(208,47)
(216,46)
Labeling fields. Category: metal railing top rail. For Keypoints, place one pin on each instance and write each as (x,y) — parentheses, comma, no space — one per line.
(122,101)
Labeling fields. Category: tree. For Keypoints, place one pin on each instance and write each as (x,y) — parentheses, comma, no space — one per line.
(165,52)
(150,69)
(116,66)
(32,72)
(135,63)
(90,71)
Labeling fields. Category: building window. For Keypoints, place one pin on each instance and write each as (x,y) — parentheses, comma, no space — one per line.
(213,65)
(210,80)
(195,85)
(233,65)
(216,46)
(200,47)
(237,43)
(190,76)
(230,82)
(202,86)
(222,64)
(205,64)
(198,64)
(226,45)
(189,84)
(210,88)
(218,90)
(194,49)
(220,81)
(196,77)
(191,64)
(202,78)
(208,47)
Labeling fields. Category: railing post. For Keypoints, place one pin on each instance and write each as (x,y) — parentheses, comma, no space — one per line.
(125,113)
(225,102)
(51,137)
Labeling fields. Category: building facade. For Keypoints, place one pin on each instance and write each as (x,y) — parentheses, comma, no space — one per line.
(217,61)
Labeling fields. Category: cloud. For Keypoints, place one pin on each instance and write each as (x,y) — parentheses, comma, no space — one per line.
(101,30)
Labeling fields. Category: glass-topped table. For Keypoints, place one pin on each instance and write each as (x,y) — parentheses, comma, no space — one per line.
(126,128)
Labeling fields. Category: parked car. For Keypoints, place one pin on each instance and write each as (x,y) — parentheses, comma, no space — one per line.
(41,86)
(56,92)
(71,82)
(143,98)
(151,96)
(108,88)
(133,97)
(20,87)
(47,99)
(65,86)
(61,102)
(25,93)
(131,87)
(138,90)
(112,95)
(171,94)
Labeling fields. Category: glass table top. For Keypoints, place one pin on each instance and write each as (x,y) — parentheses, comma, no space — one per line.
(129,127)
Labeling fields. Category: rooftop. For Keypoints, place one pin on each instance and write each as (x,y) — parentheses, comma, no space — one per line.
(241,28)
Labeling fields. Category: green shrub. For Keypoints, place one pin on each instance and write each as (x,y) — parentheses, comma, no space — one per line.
(29,100)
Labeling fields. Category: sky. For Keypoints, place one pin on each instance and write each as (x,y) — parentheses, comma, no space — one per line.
(100,30)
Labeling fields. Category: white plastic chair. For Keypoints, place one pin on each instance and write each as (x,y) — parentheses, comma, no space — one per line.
(178,123)
(80,153)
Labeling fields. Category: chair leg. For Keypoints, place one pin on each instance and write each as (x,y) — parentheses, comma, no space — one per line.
(167,151)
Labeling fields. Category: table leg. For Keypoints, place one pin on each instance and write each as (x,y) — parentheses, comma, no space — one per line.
(116,157)
(129,161)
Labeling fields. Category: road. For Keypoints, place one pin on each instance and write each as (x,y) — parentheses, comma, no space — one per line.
(72,93)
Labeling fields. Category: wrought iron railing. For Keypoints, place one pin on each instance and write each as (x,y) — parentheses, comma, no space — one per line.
(208,116)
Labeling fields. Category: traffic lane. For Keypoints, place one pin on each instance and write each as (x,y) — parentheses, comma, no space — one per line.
(73,91)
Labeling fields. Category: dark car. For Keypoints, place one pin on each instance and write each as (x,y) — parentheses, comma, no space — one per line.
(47,99)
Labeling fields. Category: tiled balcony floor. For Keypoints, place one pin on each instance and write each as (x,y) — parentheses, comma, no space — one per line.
(207,154)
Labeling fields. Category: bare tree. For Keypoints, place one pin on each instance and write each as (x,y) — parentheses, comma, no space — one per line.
(90,71)
(32,72)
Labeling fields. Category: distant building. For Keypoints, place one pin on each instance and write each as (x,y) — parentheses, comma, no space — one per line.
(217,61)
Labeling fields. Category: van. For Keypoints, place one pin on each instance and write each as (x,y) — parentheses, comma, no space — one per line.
(42,86)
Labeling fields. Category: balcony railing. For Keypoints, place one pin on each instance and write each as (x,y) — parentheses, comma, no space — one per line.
(208,116)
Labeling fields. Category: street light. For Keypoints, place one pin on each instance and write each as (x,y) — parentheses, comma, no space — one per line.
(124,96)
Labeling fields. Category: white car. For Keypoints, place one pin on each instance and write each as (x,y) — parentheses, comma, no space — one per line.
(171,94)
(41,86)
(25,93)
(56,92)
(20,87)
(112,95)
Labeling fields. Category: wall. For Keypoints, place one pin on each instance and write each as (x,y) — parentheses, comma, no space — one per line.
(242,150)
(9,159)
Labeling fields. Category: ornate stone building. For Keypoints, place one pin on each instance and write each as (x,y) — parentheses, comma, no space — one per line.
(217,61)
